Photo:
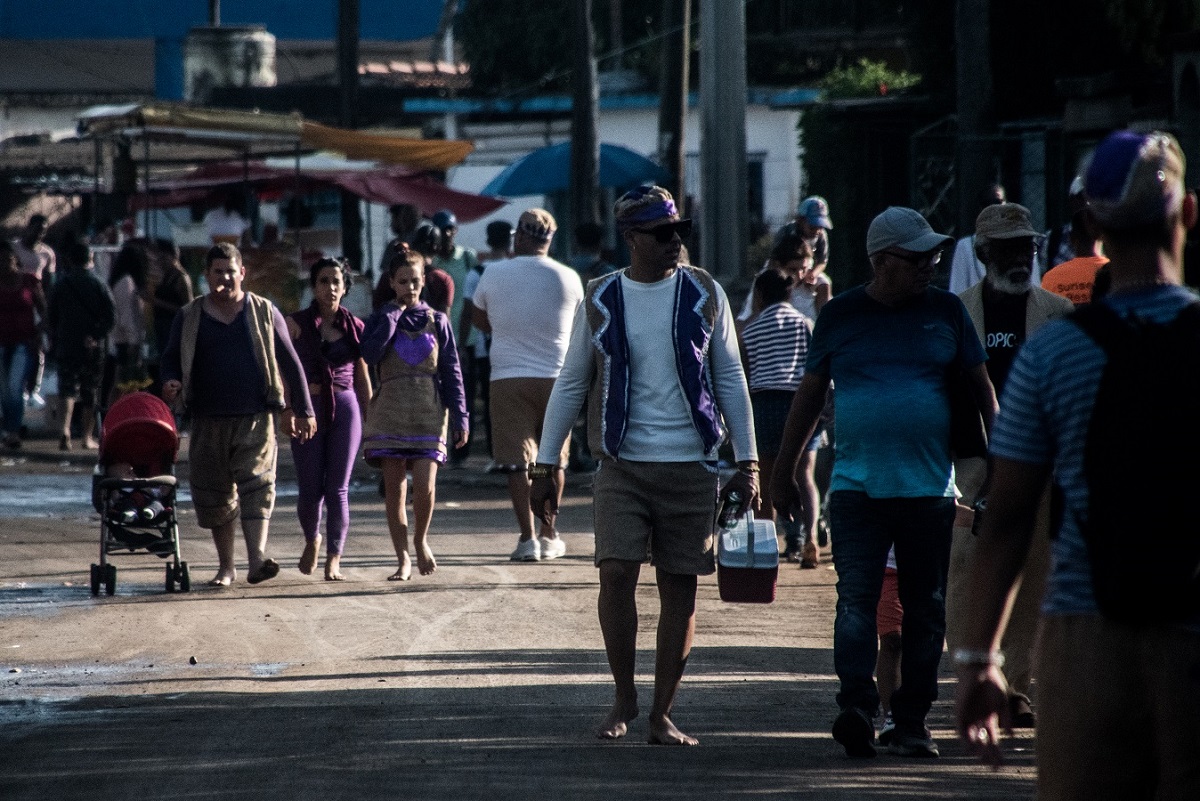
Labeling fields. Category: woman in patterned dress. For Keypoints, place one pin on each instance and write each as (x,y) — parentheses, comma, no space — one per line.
(420,396)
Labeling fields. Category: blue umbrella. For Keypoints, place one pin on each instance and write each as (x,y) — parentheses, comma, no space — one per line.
(548,169)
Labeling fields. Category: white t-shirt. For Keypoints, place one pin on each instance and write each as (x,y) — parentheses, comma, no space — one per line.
(38,261)
(225,223)
(803,298)
(530,302)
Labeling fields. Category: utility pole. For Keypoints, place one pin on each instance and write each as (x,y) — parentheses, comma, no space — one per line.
(443,48)
(673,94)
(724,216)
(585,110)
(973,153)
(347,67)
(615,35)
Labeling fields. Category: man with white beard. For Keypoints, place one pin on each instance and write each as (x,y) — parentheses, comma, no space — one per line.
(1006,307)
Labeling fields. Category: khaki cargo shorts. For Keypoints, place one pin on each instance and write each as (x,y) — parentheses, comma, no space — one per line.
(231,461)
(518,408)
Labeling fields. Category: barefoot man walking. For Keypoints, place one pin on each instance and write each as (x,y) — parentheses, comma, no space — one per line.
(656,489)
(230,358)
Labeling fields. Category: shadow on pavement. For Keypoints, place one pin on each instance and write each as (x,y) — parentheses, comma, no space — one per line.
(762,715)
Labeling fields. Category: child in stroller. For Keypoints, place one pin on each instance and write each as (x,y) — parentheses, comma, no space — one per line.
(133,488)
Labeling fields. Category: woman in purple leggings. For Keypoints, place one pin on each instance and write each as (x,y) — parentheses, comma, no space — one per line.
(327,341)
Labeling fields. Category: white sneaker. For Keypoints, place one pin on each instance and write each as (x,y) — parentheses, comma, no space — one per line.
(529,550)
(888,731)
(552,549)
(35,401)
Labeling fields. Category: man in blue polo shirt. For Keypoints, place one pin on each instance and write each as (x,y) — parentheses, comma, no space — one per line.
(888,346)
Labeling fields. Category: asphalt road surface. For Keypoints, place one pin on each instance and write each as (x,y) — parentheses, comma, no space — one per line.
(482,681)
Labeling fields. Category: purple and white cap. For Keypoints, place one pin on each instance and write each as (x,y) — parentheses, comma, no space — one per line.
(1135,180)
(645,207)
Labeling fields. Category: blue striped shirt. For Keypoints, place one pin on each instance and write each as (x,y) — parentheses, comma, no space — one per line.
(776,347)
(1044,415)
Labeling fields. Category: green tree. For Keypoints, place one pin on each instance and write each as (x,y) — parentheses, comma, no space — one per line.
(866,78)
(525,45)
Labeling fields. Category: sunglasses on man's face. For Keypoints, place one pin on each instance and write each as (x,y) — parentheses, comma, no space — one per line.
(665,233)
(917,259)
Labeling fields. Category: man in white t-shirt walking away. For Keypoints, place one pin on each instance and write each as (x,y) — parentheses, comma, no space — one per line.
(527,303)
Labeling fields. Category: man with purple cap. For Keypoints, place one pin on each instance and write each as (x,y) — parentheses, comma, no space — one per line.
(888,346)
(1119,690)
(654,355)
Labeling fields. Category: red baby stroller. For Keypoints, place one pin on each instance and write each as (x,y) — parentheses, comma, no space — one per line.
(133,488)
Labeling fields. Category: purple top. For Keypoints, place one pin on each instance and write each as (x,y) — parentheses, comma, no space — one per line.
(328,361)
(380,330)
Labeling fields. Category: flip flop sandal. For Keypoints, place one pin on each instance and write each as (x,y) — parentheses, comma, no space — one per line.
(269,569)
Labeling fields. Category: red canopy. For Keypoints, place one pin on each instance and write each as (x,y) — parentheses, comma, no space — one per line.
(385,185)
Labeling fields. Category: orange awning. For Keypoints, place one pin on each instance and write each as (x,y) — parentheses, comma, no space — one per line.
(420,154)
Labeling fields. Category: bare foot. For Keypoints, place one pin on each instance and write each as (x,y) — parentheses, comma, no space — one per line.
(308,558)
(332,563)
(616,725)
(425,561)
(90,444)
(223,578)
(663,732)
(404,573)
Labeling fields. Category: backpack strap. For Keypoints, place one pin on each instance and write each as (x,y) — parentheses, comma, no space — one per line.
(1101,323)
(1108,329)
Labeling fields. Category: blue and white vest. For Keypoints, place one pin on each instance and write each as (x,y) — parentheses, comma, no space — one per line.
(694,313)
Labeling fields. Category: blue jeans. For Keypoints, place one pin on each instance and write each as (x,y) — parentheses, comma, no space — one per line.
(864,529)
(14,361)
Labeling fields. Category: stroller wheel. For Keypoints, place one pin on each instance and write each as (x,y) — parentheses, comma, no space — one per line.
(170,583)
(185,578)
(95,579)
(110,578)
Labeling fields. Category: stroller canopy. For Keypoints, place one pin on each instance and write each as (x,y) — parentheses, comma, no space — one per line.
(139,429)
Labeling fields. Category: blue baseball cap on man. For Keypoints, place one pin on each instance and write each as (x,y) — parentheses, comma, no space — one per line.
(445,219)
(815,210)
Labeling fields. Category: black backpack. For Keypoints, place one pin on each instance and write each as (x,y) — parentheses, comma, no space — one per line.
(1142,467)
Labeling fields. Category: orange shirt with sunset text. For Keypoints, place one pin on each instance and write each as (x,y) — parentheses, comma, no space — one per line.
(1073,279)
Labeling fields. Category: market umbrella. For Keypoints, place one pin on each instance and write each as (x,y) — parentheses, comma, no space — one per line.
(367,180)
(548,169)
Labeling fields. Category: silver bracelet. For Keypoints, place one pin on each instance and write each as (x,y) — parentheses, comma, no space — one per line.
(973,657)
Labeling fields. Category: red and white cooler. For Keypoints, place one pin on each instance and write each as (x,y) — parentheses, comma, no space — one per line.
(747,561)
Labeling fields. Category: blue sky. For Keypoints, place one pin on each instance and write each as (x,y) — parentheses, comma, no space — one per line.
(399,20)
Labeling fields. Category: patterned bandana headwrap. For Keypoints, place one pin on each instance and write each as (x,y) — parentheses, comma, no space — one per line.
(646,204)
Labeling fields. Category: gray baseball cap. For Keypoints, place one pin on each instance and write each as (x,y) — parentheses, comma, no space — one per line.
(905,228)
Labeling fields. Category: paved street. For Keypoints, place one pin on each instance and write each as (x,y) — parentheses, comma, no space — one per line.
(481,681)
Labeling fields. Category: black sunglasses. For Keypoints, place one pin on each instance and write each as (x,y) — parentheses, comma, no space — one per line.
(917,259)
(665,233)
